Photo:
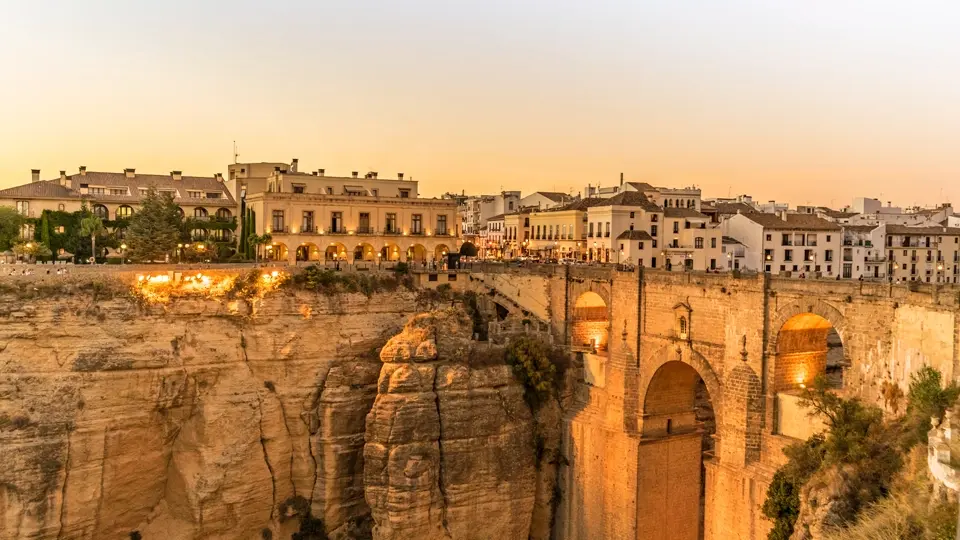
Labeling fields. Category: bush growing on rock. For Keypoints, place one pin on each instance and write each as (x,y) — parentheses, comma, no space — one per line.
(831,478)
(537,366)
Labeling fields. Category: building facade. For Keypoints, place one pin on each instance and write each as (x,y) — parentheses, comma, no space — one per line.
(923,254)
(787,244)
(314,217)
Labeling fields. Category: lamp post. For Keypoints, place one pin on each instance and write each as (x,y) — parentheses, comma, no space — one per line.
(123,248)
(179,251)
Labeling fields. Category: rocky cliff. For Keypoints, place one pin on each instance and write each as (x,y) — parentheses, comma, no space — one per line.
(199,417)
(450,450)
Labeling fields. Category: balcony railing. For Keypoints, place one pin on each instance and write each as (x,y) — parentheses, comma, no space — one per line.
(392,231)
(308,229)
(365,230)
(416,233)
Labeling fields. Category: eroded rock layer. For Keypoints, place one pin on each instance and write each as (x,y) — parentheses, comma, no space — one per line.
(449,442)
(196,419)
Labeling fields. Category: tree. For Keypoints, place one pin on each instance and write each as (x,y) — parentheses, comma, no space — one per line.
(255,241)
(45,229)
(11,223)
(32,250)
(155,230)
(91,225)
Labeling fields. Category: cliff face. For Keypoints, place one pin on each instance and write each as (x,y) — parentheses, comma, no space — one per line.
(450,450)
(196,419)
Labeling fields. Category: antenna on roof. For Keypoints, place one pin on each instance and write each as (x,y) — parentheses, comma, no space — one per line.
(235,154)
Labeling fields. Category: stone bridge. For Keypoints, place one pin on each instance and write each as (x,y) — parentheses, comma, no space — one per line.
(691,383)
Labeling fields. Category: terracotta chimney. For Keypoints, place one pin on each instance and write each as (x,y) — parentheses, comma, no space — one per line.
(130,173)
(399,176)
(293,164)
(321,172)
(63,178)
(83,170)
(355,173)
(34,175)
(176,175)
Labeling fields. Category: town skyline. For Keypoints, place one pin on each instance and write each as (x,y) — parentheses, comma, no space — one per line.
(812,105)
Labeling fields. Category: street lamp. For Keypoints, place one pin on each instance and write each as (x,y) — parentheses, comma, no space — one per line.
(123,247)
(179,251)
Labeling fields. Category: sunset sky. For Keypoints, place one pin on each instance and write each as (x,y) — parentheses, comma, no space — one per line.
(816,101)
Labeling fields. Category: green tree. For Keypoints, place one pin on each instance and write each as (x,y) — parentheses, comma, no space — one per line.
(155,229)
(256,240)
(45,229)
(32,250)
(91,225)
(926,399)
(11,224)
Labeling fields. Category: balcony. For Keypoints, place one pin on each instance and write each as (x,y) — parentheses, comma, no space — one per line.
(416,233)
(391,231)
(366,230)
(308,229)
(341,230)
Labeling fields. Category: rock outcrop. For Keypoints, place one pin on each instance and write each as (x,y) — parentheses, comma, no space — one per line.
(195,419)
(450,450)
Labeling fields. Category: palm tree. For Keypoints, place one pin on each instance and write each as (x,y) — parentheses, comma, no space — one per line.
(91,226)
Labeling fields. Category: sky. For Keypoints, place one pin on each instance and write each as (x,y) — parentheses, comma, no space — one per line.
(811,102)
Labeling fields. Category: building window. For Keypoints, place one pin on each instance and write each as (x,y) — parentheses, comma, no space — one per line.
(391,223)
(653,230)
(299,188)
(698,243)
(200,212)
(404,193)
(307,225)
(277,220)
(124,212)
(788,255)
(828,255)
(416,224)
(224,213)
(769,238)
(100,211)
(23,208)
(364,227)
(676,227)
(654,218)
(336,222)
(640,245)
(828,238)
(96,190)
(61,207)
(713,242)
(118,192)
(590,234)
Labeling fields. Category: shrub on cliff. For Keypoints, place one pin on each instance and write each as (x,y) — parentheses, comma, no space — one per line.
(927,399)
(319,279)
(858,449)
(538,367)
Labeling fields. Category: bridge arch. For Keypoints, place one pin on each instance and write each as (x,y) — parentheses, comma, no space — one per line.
(681,398)
(807,341)
(591,322)
(683,354)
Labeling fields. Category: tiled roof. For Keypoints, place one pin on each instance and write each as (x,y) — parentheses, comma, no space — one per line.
(582,204)
(837,214)
(735,208)
(498,217)
(683,213)
(634,235)
(51,189)
(641,186)
(554,196)
(47,189)
(631,198)
(794,222)
(730,240)
(930,231)
(859,228)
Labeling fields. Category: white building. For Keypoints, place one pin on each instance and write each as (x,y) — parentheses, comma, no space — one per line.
(732,253)
(863,254)
(492,238)
(788,244)
(476,210)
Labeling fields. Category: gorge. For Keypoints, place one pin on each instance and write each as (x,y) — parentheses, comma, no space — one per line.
(379,413)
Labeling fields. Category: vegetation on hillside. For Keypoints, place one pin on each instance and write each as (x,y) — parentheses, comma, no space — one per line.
(860,453)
